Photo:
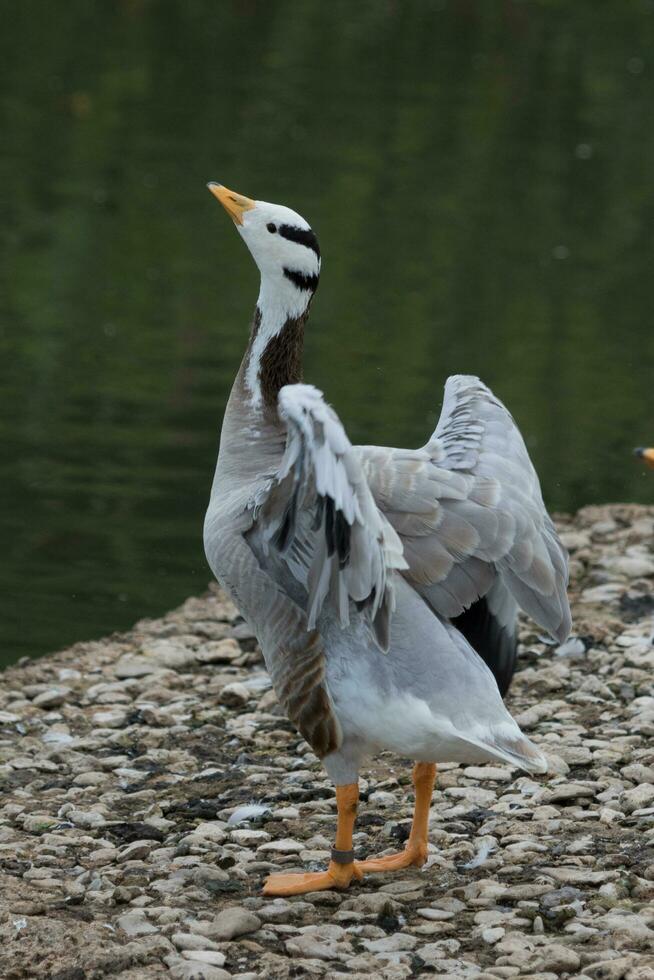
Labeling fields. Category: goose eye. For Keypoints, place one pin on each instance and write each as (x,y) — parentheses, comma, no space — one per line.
(272,228)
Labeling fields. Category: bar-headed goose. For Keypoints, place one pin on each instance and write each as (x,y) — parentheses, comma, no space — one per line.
(382,584)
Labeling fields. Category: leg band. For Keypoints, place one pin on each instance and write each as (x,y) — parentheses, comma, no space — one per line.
(342,857)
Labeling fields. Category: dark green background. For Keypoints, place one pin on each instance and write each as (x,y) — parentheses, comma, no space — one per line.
(480,175)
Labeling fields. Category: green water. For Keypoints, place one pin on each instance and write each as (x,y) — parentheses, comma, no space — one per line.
(480,177)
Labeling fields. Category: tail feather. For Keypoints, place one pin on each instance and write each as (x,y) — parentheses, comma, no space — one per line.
(521,751)
(508,744)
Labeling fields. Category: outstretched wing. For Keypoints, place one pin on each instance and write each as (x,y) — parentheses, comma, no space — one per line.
(319,520)
(469,510)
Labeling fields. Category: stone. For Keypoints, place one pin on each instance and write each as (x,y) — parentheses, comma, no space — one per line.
(109,719)
(565,792)
(556,958)
(233,922)
(134,666)
(89,819)
(210,831)
(372,903)
(235,695)
(320,942)
(381,799)
(118,799)
(211,956)
(284,846)
(168,654)
(282,911)
(52,697)
(135,924)
(579,876)
(137,851)
(183,969)
(637,798)
(488,772)
(435,915)
(610,969)
(391,944)
(627,929)
(90,778)
(222,651)
(8,718)
(402,886)
(631,566)
(39,823)
(249,838)
(190,940)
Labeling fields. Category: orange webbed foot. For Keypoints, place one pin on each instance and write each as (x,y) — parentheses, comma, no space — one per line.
(414,855)
(337,876)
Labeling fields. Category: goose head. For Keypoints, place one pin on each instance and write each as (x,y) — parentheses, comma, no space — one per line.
(281,243)
(647,455)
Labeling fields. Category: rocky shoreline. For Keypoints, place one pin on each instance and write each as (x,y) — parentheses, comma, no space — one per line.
(126,764)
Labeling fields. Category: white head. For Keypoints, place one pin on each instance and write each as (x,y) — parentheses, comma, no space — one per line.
(283,246)
(287,254)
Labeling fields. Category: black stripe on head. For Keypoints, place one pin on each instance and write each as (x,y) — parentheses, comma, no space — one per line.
(301,280)
(303,236)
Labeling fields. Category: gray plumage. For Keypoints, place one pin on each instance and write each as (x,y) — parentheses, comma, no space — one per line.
(350,562)
(469,510)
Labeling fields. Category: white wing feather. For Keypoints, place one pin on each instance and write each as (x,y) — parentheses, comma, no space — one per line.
(320,517)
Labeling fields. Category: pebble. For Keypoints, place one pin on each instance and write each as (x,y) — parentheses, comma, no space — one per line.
(284,846)
(213,957)
(135,924)
(637,798)
(51,698)
(135,852)
(183,969)
(435,915)
(89,819)
(151,782)
(631,566)
(189,940)
(391,944)
(235,695)
(109,719)
(320,942)
(382,799)
(233,922)
(38,823)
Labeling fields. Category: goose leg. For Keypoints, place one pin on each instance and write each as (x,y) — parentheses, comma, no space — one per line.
(341,868)
(415,852)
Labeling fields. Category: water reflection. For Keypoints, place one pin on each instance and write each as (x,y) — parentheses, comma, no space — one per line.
(479,177)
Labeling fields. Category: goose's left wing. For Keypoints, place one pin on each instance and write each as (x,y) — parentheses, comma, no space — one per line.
(469,512)
(320,518)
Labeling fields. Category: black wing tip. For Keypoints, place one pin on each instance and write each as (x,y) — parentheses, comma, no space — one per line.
(497,645)
(337,530)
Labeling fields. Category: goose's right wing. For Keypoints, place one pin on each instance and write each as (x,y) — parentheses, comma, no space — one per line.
(320,518)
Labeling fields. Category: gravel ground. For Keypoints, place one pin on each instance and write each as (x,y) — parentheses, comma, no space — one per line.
(125,851)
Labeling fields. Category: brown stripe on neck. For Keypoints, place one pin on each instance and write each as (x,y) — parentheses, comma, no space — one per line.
(281,361)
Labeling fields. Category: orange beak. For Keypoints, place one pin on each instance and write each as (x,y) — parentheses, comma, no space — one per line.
(647,455)
(233,203)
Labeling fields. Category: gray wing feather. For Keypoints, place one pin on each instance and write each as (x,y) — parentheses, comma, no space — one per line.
(469,510)
(320,517)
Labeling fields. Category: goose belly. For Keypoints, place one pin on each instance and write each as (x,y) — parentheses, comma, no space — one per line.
(431,697)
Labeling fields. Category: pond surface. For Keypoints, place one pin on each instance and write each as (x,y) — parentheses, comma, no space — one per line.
(480,178)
